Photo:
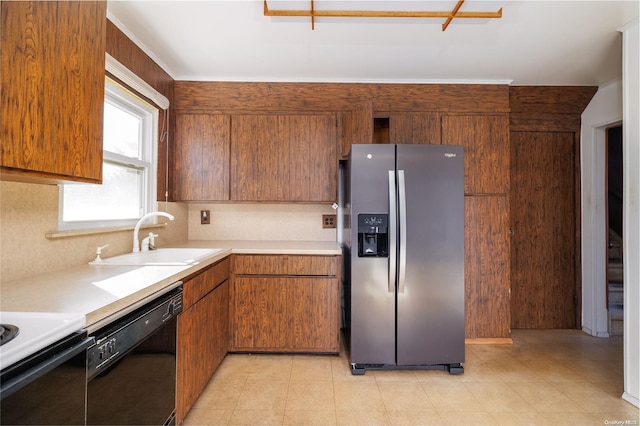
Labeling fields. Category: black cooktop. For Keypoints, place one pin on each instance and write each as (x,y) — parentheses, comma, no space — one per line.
(7,332)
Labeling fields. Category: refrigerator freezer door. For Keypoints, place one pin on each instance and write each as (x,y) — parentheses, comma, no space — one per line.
(393,235)
(430,318)
(372,337)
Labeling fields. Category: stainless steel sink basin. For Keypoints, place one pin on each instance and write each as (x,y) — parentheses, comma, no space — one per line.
(160,257)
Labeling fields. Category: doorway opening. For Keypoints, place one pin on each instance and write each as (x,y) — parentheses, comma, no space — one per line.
(615,267)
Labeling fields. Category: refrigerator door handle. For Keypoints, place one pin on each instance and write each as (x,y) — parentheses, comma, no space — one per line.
(402,256)
(393,223)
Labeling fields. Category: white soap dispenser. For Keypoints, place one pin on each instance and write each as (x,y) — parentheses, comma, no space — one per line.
(98,258)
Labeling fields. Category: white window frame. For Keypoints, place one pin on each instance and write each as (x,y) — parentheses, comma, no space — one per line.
(119,96)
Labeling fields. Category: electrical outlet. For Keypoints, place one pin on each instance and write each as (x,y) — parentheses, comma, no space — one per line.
(205,217)
(328,220)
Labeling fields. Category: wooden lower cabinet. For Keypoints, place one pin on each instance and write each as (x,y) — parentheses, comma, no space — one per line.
(273,312)
(203,335)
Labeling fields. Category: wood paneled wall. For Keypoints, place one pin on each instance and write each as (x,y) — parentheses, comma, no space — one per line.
(120,47)
(226,97)
(548,108)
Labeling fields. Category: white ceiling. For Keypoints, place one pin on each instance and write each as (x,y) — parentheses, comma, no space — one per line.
(535,42)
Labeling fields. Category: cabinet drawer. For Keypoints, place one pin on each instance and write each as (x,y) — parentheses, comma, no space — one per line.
(198,286)
(285,265)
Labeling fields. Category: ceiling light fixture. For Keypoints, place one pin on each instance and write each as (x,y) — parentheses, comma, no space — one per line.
(313,12)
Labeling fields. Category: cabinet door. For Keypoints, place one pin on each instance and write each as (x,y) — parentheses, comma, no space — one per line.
(313,158)
(410,128)
(487,276)
(259,308)
(357,127)
(202,342)
(312,314)
(283,158)
(221,324)
(79,102)
(201,169)
(486,150)
(52,80)
(259,158)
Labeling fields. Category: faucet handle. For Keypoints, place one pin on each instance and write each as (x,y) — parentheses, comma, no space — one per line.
(152,241)
(146,241)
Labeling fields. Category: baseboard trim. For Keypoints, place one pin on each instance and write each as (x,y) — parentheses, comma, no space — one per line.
(631,399)
(489,341)
(596,333)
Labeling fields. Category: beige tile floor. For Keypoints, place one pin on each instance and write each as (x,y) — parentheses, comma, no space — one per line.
(550,377)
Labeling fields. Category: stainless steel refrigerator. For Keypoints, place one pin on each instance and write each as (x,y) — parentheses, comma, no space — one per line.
(402,209)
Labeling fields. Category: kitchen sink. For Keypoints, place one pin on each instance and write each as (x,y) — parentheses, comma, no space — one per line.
(160,257)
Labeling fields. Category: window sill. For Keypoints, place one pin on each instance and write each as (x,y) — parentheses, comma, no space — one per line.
(82,232)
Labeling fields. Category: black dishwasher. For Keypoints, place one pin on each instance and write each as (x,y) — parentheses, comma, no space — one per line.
(132,367)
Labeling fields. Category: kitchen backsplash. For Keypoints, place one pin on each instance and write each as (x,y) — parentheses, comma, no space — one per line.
(282,222)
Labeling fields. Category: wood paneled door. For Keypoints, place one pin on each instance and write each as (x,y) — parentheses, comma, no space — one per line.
(543,216)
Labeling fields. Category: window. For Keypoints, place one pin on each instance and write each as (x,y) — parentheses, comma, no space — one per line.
(128,170)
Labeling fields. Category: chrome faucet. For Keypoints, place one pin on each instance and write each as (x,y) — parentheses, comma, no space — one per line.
(136,230)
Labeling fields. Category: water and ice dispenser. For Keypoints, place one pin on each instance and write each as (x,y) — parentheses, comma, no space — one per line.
(373,235)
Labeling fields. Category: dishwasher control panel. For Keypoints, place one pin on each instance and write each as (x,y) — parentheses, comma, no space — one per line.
(107,350)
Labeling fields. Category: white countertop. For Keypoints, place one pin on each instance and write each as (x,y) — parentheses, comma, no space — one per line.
(103,292)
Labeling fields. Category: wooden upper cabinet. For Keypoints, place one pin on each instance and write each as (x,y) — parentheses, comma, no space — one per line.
(259,156)
(313,158)
(283,158)
(201,154)
(357,127)
(486,150)
(414,128)
(52,99)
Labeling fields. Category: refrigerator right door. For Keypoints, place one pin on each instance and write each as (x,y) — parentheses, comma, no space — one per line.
(430,298)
